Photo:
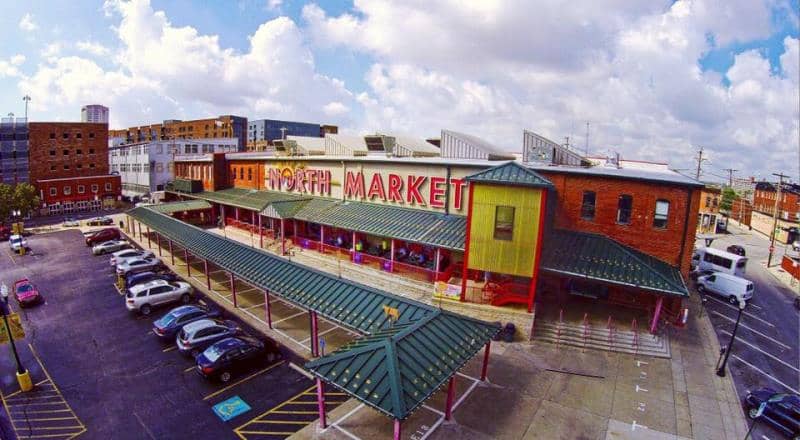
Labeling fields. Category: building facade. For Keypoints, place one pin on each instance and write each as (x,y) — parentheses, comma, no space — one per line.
(766,193)
(710,199)
(94,113)
(62,153)
(14,165)
(146,167)
(262,132)
(225,126)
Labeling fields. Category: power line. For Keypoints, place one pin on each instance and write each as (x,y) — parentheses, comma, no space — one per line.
(700,160)
(730,175)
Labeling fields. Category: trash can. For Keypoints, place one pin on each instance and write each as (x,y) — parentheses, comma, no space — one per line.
(509,331)
(499,334)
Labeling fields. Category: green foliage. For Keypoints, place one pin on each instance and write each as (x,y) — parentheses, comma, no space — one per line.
(25,199)
(6,201)
(728,196)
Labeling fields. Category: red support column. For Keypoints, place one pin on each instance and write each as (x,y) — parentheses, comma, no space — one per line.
(656,314)
(465,263)
(208,277)
(158,243)
(222,214)
(313,339)
(436,263)
(140,230)
(236,213)
(233,289)
(268,309)
(149,243)
(323,423)
(397,429)
(171,254)
(451,394)
(260,233)
(391,257)
(485,367)
(535,278)
(283,237)
(188,266)
(321,238)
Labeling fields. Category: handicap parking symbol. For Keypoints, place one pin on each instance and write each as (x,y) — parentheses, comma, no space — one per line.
(231,408)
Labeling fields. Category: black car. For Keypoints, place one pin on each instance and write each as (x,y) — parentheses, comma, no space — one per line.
(133,279)
(782,410)
(736,249)
(232,356)
(168,326)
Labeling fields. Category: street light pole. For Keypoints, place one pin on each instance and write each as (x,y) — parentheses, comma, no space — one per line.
(23,377)
(721,369)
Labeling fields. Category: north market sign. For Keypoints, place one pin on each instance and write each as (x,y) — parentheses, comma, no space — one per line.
(398,189)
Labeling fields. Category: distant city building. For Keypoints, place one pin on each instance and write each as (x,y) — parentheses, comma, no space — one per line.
(788,206)
(14,150)
(262,133)
(94,113)
(146,167)
(226,126)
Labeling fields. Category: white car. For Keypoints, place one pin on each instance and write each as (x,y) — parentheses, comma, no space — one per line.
(110,246)
(17,242)
(70,222)
(143,297)
(796,246)
(127,254)
(139,264)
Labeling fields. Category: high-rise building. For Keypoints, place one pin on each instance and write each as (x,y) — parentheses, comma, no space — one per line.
(94,113)
(13,150)
(261,133)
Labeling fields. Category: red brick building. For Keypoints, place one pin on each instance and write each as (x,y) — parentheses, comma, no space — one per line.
(69,165)
(788,206)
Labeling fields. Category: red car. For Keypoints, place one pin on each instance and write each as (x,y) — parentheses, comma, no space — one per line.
(102,236)
(25,293)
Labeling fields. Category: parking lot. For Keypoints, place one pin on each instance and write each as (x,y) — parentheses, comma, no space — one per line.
(101,373)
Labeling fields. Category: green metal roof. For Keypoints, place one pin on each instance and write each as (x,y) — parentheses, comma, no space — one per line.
(243,198)
(187,205)
(601,258)
(510,173)
(407,361)
(397,369)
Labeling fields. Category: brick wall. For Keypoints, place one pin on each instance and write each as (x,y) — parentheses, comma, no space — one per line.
(663,243)
(67,149)
(79,189)
(246,174)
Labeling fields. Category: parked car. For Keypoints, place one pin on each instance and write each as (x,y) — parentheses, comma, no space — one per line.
(17,242)
(233,356)
(144,297)
(110,246)
(5,233)
(133,279)
(102,235)
(736,249)
(100,221)
(170,324)
(782,410)
(796,246)
(26,293)
(138,264)
(127,254)
(195,337)
(70,222)
(730,287)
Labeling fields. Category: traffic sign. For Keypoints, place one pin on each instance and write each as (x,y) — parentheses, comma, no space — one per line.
(16,329)
(231,408)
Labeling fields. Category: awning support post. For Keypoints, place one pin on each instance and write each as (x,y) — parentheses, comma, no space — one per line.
(208,277)
(236,213)
(451,393)
(485,367)
(188,266)
(233,289)
(322,238)
(158,243)
(283,237)
(222,214)
(397,429)
(313,316)
(323,423)
(140,230)
(436,267)
(656,314)
(260,233)
(149,243)
(171,254)
(268,309)
(391,257)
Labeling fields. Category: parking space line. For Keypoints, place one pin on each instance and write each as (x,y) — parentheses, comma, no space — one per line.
(765,374)
(240,381)
(170,348)
(190,368)
(744,313)
(266,432)
(743,341)
(752,330)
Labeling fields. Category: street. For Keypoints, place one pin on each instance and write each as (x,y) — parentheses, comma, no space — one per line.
(765,352)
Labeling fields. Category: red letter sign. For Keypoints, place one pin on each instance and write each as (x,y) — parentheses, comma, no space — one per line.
(436,192)
(412,192)
(458,185)
(376,188)
(354,185)
(395,186)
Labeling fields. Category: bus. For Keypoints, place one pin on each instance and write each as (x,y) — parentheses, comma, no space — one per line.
(715,260)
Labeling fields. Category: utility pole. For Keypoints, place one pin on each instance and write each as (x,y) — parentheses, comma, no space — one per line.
(775,217)
(699,163)
(730,176)
(587,140)
(27,99)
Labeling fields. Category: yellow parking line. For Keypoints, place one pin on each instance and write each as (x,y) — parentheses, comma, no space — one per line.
(46,373)
(42,381)
(290,412)
(169,349)
(72,435)
(266,432)
(222,390)
(37,397)
(48,419)
(53,428)
(190,369)
(273,410)
(47,411)
(32,404)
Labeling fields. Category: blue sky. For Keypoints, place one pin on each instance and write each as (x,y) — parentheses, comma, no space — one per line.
(655,79)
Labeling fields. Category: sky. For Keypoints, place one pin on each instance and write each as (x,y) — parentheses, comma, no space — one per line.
(655,80)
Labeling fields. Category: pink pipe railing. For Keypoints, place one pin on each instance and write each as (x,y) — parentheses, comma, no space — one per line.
(635,341)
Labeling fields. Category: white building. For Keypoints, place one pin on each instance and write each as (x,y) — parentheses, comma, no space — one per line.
(94,113)
(146,167)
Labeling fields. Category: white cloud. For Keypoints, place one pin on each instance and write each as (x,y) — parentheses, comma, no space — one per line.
(52,50)
(10,67)
(92,48)
(274,4)
(27,24)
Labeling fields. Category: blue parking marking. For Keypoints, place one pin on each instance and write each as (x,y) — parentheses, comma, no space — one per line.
(231,408)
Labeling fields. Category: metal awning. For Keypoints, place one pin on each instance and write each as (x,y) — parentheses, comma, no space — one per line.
(600,258)
(407,360)
(511,173)
(186,205)
(242,198)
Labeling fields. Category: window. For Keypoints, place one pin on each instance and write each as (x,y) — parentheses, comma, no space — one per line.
(91,135)
(95,188)
(53,189)
(66,167)
(65,135)
(91,150)
(108,186)
(241,173)
(587,207)
(718,260)
(52,152)
(78,151)
(52,167)
(504,223)
(65,152)
(624,208)
(67,190)
(91,165)
(250,174)
(81,189)
(78,136)
(79,166)
(661,214)
(52,135)
(160,149)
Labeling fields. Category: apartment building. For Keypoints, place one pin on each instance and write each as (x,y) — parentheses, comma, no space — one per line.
(225,126)
(14,165)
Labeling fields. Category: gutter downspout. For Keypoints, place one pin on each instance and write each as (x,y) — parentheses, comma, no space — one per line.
(447,193)
(685,227)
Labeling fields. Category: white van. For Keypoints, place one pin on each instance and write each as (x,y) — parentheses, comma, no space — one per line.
(716,260)
(727,286)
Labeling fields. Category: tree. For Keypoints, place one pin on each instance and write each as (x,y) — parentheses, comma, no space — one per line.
(6,201)
(25,199)
(728,196)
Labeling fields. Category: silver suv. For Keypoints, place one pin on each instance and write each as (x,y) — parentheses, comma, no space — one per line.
(143,297)
(199,335)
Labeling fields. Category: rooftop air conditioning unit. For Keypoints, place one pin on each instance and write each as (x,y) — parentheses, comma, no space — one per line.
(290,146)
(389,143)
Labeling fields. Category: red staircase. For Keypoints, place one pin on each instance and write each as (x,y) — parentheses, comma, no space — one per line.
(498,294)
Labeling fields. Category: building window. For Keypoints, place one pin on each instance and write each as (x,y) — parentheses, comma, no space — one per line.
(91,135)
(249,174)
(67,190)
(53,189)
(95,188)
(91,150)
(91,165)
(66,136)
(661,214)
(81,189)
(78,151)
(66,167)
(52,152)
(624,208)
(78,136)
(587,207)
(66,152)
(504,223)
(108,186)
(52,135)
(241,173)
(52,167)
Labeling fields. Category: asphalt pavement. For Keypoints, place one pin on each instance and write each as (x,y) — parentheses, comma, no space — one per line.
(765,352)
(100,371)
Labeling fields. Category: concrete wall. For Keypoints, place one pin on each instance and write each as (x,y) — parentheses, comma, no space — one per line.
(763,224)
